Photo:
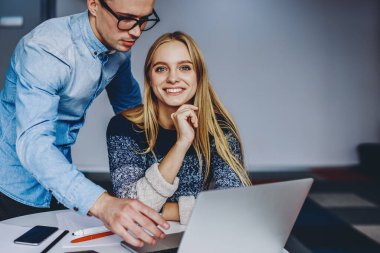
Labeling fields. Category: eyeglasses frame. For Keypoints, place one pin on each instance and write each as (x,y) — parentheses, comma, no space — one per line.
(138,21)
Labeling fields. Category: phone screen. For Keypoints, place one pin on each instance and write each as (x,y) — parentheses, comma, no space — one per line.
(35,235)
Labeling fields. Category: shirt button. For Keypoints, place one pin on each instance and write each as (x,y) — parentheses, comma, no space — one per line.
(76,209)
(95,53)
(50,191)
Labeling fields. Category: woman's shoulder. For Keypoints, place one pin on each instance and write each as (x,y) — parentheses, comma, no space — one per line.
(121,126)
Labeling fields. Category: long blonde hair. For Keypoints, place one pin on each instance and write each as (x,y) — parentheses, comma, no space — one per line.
(213,118)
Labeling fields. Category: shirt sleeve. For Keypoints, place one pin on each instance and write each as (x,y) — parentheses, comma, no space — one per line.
(222,173)
(37,100)
(124,91)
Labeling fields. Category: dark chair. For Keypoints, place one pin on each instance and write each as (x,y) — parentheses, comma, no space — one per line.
(101,178)
(369,157)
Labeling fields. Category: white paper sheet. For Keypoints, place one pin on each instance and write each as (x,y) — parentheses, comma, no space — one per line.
(10,232)
(72,221)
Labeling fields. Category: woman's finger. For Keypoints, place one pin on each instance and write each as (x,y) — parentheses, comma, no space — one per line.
(188,115)
(187,106)
(193,119)
(185,112)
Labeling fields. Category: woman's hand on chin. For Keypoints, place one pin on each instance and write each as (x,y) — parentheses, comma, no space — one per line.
(185,120)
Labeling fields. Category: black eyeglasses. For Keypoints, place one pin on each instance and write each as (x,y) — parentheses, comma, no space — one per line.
(128,23)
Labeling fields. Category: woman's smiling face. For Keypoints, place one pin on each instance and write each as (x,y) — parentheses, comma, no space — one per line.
(172,75)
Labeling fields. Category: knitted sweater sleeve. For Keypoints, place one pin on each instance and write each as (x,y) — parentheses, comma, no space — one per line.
(129,175)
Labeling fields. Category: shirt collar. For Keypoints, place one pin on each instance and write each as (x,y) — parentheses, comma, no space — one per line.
(94,45)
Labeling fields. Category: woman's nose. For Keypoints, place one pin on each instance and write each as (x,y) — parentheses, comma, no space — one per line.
(172,77)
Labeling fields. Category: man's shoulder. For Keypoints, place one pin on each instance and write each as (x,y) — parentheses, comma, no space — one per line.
(55,35)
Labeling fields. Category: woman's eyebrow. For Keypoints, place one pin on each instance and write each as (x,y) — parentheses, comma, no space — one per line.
(159,63)
(185,61)
(164,63)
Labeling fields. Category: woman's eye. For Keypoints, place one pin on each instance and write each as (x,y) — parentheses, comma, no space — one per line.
(185,68)
(159,69)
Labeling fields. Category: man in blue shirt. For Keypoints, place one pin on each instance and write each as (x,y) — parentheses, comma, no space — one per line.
(55,73)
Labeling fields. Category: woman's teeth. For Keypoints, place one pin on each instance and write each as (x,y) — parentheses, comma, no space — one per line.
(173,90)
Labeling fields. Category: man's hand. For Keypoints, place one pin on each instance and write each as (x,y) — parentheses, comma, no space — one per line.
(122,215)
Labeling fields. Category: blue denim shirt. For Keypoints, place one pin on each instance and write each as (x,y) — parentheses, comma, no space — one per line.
(55,73)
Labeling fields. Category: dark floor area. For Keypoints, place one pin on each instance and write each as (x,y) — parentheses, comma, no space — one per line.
(341,214)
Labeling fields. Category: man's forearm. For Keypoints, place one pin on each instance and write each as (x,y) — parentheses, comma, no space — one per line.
(55,173)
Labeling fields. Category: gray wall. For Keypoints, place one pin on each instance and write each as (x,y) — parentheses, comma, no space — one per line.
(9,36)
(301,77)
(68,7)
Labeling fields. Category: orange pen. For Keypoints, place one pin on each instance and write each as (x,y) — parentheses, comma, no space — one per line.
(91,237)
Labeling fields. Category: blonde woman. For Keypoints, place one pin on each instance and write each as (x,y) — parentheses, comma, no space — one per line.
(181,140)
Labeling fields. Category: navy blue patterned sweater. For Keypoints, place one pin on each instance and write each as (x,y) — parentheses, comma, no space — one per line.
(126,142)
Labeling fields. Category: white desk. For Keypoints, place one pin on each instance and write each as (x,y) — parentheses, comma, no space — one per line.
(49,219)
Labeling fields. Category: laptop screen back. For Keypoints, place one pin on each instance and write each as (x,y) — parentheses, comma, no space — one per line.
(248,219)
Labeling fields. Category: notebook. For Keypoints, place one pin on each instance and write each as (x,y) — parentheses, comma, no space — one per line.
(69,220)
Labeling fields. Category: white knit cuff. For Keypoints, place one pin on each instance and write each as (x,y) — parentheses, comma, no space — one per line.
(147,189)
(159,183)
(147,195)
(185,205)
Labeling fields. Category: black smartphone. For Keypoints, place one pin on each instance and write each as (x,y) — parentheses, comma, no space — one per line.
(35,235)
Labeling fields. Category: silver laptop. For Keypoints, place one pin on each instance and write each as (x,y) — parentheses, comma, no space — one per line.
(247,219)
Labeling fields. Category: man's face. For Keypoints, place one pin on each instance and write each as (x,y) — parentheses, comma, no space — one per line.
(104,24)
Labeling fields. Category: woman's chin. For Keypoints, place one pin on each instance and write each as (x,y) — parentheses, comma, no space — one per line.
(174,103)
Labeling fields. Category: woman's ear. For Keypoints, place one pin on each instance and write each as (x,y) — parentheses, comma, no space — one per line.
(92,6)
